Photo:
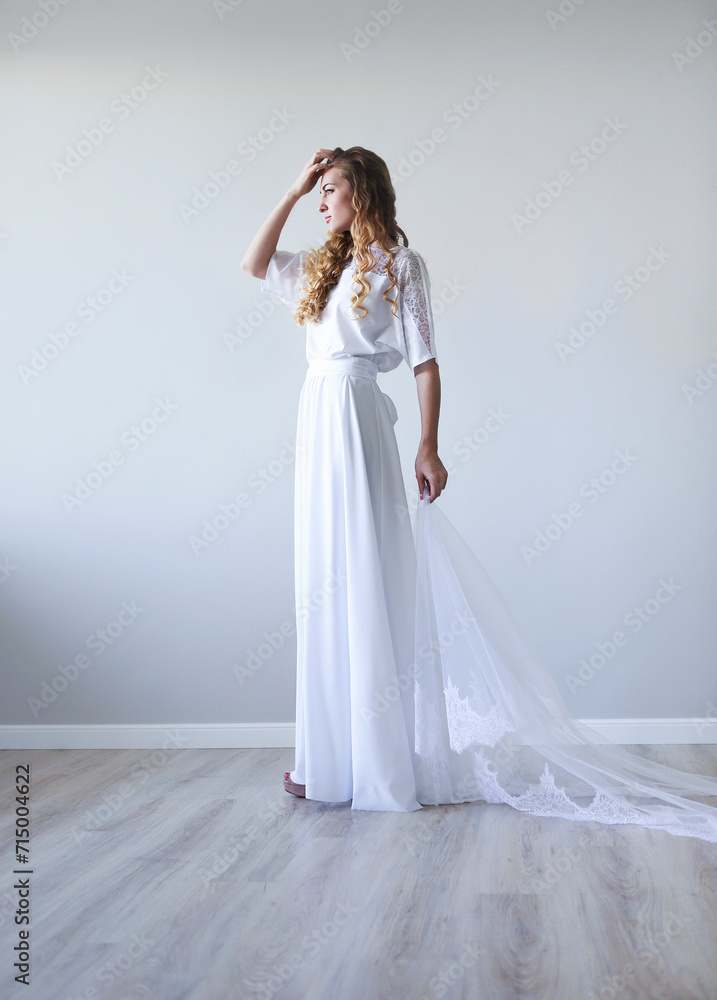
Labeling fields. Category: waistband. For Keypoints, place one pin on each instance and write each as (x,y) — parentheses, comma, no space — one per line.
(343,366)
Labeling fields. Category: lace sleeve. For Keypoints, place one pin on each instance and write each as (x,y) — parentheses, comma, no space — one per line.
(415,306)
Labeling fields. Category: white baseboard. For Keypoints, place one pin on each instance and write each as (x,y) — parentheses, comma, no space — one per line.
(242,735)
(247,735)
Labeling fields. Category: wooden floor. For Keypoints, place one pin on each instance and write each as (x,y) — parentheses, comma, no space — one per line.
(192,875)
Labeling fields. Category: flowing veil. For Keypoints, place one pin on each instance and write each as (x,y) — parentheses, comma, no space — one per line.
(491,725)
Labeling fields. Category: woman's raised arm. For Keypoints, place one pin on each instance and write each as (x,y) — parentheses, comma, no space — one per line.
(262,247)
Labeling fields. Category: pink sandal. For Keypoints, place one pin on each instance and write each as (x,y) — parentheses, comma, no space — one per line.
(292,787)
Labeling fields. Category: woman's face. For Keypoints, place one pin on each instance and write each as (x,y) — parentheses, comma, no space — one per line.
(335,203)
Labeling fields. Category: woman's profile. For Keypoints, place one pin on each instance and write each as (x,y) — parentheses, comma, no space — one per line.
(415,684)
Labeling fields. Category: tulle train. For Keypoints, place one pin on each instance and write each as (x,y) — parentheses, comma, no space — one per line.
(491,725)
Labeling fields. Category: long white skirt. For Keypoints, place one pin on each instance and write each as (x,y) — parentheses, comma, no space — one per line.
(355,567)
(415,684)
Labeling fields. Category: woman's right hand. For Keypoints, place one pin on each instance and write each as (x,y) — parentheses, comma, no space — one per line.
(310,173)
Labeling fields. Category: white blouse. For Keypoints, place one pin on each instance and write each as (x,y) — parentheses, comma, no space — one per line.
(379,336)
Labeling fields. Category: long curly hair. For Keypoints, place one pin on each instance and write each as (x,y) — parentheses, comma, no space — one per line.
(373,198)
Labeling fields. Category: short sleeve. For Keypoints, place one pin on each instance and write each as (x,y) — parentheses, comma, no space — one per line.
(283,276)
(415,307)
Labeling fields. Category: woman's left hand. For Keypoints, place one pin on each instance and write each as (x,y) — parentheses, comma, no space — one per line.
(430,471)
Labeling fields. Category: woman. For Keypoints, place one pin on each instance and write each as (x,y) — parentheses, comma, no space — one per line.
(415,684)
(350,504)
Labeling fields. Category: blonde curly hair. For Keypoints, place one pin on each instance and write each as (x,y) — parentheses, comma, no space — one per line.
(373,198)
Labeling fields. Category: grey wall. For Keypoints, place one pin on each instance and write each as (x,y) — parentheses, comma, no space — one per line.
(477,108)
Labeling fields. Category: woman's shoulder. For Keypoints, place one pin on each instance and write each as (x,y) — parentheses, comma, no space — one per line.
(408,265)
(403,256)
(398,249)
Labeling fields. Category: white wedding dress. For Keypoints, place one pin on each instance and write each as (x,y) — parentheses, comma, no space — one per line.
(414,683)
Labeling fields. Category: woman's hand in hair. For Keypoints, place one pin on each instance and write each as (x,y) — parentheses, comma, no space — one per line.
(310,173)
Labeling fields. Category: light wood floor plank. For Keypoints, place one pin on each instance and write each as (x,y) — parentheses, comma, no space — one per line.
(192,875)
